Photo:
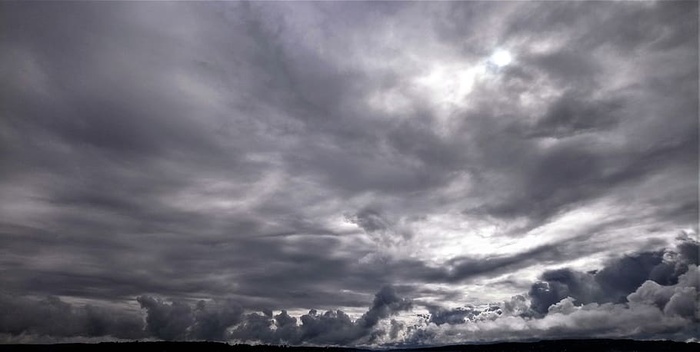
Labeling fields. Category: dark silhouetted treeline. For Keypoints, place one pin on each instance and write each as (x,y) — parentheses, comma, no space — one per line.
(540,346)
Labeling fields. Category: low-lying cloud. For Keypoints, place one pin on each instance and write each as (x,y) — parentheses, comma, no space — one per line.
(564,304)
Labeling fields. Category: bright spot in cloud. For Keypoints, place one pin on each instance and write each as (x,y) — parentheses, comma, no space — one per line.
(449,83)
(501,58)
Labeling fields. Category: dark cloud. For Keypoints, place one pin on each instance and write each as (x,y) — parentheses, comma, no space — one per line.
(382,230)
(52,316)
(616,280)
(223,321)
(334,327)
(295,156)
(462,315)
(167,321)
(569,116)
(211,319)
(386,303)
(574,304)
(567,304)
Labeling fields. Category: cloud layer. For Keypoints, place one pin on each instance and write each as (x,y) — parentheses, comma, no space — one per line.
(265,158)
(565,304)
(585,307)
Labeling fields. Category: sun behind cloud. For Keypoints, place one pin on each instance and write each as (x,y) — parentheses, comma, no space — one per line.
(501,58)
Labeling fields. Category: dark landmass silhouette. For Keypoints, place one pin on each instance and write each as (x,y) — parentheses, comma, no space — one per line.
(588,345)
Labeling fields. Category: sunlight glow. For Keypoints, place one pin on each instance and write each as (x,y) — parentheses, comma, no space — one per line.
(501,58)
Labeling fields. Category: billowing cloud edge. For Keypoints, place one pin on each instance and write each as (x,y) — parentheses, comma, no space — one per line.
(644,295)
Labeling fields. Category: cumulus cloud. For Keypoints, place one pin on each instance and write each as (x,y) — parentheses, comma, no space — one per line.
(616,280)
(203,320)
(53,317)
(574,304)
(580,307)
(386,303)
(213,318)
(167,321)
(334,327)
(676,300)
(461,315)
(180,321)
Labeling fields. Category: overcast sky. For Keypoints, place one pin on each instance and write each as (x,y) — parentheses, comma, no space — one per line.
(348,173)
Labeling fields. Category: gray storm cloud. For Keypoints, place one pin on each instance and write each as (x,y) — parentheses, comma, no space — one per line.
(202,320)
(269,158)
(576,304)
(619,278)
(580,307)
(58,319)
(211,321)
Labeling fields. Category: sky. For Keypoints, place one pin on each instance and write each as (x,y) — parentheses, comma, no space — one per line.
(348,173)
